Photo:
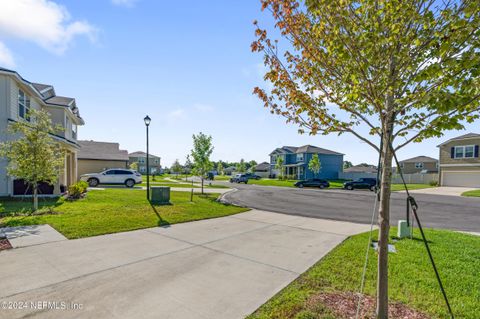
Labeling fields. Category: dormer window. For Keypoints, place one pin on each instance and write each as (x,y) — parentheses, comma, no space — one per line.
(23,105)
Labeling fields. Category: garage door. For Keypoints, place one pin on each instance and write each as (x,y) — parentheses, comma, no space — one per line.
(461,179)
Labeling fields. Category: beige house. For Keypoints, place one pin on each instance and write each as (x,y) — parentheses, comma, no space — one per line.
(141,158)
(460,161)
(419,164)
(95,157)
(17,97)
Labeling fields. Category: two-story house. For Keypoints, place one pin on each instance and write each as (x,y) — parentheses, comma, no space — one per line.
(296,160)
(419,164)
(460,161)
(141,158)
(17,97)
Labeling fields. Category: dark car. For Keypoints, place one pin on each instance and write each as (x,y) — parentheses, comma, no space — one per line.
(315,182)
(361,183)
(239,178)
(252,176)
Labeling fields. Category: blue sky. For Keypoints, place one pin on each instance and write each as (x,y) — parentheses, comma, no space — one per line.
(186,64)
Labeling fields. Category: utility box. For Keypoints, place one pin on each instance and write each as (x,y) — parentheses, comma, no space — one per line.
(403,229)
(160,195)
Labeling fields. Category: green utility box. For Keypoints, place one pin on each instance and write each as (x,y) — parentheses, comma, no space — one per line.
(160,195)
(403,229)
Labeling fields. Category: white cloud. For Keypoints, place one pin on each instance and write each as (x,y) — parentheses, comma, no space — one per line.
(176,114)
(6,57)
(43,22)
(124,3)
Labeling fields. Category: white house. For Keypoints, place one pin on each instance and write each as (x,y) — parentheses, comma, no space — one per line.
(17,97)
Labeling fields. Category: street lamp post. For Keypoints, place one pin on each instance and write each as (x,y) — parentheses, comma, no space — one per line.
(147,120)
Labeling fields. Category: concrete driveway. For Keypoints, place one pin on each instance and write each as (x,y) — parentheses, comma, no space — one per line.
(218,268)
(444,190)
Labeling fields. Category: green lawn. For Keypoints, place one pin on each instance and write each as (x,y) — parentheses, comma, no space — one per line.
(400,187)
(114,210)
(412,280)
(475,193)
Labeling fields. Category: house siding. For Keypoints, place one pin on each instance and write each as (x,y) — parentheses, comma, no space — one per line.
(445,156)
(331,165)
(409,168)
(9,86)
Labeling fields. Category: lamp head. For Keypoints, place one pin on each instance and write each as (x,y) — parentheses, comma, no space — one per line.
(147,120)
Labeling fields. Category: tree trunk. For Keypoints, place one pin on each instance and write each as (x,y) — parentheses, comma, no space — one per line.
(35,197)
(202,185)
(384,224)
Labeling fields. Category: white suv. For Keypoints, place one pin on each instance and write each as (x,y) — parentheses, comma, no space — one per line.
(127,177)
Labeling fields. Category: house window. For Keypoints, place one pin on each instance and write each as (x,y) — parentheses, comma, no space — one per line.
(74,131)
(141,160)
(142,169)
(418,165)
(401,165)
(299,157)
(23,105)
(467,151)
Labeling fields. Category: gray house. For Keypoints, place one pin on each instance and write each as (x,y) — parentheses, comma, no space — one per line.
(296,159)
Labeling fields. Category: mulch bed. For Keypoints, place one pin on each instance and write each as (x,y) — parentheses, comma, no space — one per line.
(344,305)
(4,244)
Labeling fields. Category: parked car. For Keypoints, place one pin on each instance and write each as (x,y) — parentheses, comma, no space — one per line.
(252,176)
(239,178)
(361,183)
(127,177)
(315,182)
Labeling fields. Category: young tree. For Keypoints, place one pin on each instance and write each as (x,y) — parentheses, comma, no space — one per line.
(347,164)
(279,165)
(220,168)
(241,167)
(252,165)
(202,149)
(396,71)
(314,164)
(176,167)
(134,166)
(187,168)
(35,156)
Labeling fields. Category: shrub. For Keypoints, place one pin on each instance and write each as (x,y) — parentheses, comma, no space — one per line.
(433,183)
(77,190)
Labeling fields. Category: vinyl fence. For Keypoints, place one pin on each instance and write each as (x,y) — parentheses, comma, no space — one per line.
(409,178)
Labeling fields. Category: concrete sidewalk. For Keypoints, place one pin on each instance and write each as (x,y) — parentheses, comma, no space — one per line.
(219,268)
(442,190)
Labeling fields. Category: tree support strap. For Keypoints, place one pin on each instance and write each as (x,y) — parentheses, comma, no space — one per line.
(412,204)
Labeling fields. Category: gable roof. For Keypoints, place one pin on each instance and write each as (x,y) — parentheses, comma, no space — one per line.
(101,151)
(303,149)
(419,159)
(461,137)
(262,166)
(142,154)
(42,87)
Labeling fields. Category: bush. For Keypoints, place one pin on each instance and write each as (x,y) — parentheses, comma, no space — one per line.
(77,190)
(433,183)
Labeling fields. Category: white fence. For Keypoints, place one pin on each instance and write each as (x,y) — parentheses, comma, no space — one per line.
(409,178)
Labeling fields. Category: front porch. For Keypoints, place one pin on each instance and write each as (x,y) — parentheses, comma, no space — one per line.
(296,171)
(68,176)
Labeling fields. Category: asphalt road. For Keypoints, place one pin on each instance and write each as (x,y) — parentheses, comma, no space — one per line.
(435,211)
